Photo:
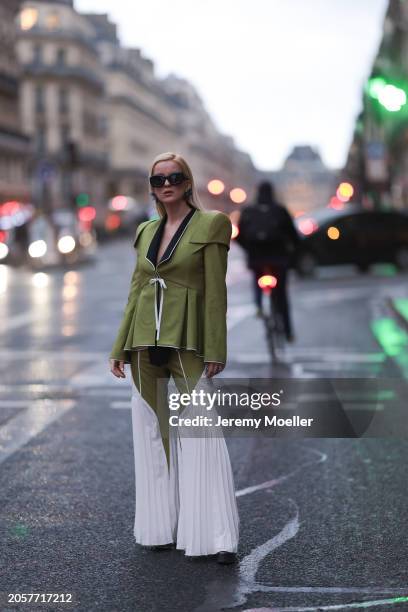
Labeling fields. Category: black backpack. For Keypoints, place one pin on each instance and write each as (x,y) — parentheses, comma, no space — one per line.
(259,224)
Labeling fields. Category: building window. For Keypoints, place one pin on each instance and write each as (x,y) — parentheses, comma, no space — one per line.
(52,21)
(40,139)
(39,99)
(28,18)
(103,125)
(61,57)
(63,100)
(65,133)
(37,54)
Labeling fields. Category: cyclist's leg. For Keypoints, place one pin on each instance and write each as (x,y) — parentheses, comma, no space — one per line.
(282,301)
(256,289)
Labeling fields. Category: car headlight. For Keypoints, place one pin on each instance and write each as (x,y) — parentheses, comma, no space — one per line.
(66,244)
(4,250)
(38,248)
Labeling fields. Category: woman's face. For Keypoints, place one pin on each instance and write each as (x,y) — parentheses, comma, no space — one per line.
(169,194)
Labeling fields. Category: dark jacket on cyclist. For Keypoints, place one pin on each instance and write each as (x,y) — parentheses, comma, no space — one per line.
(266,231)
(269,237)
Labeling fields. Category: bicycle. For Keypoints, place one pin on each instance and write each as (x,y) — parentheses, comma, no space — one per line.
(273,319)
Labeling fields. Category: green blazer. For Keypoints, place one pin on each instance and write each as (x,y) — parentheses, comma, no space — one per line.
(181,301)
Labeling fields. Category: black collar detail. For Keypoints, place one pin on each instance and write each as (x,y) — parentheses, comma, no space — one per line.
(156,240)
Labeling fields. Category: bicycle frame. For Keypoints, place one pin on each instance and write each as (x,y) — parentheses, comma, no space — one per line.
(273,320)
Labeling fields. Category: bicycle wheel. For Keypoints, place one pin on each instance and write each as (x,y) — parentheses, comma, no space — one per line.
(278,324)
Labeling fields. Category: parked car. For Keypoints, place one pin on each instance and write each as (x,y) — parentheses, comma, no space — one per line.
(63,237)
(352,235)
(122,216)
(15,218)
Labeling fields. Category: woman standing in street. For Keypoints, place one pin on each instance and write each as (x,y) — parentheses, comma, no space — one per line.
(174,324)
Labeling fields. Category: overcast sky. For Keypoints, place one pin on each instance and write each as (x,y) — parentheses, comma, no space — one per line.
(272,73)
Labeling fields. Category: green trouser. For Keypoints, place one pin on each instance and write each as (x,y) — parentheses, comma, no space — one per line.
(152,382)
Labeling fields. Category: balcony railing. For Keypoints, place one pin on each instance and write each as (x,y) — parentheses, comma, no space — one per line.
(64,71)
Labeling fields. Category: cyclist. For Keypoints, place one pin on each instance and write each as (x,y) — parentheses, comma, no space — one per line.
(269,236)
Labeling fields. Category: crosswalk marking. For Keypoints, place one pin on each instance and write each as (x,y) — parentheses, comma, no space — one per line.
(20,320)
(306,354)
(29,423)
(121,405)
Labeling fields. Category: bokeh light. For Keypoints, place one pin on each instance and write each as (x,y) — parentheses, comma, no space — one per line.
(216,187)
(238,195)
(333,233)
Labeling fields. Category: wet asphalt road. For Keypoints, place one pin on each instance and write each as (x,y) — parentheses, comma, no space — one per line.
(323,521)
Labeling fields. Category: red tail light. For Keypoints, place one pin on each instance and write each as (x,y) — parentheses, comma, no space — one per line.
(267,282)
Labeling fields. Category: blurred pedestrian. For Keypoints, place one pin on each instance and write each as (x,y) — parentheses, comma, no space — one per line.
(175,325)
(269,236)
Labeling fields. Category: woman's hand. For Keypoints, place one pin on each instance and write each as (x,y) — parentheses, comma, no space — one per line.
(117,368)
(212,368)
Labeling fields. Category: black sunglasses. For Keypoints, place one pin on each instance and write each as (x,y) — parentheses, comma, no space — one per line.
(175,178)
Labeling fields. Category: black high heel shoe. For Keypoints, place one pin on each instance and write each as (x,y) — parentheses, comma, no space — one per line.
(226,558)
(158,547)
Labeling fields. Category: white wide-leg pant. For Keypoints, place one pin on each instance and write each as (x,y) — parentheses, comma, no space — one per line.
(193,503)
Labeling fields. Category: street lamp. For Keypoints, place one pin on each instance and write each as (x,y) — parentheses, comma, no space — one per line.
(344,192)
(216,187)
(238,195)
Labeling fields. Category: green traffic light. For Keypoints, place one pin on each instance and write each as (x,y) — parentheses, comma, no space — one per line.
(392,98)
(375,86)
(82,199)
(389,96)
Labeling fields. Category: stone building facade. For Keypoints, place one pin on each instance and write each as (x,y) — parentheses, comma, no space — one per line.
(98,114)
(62,104)
(14,145)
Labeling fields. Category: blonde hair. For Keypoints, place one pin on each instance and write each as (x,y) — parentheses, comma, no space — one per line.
(193,199)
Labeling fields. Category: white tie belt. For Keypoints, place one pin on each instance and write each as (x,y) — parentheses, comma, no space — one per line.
(158,312)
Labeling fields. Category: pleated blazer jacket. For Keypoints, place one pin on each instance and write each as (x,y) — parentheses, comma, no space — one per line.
(181,301)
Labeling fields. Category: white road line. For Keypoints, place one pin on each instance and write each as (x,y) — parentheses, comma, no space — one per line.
(305,354)
(96,374)
(60,354)
(48,388)
(268,484)
(121,405)
(238,313)
(358,604)
(250,564)
(27,424)
(20,320)
(9,403)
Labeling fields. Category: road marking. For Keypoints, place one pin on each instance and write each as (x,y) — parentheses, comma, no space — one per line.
(305,354)
(27,354)
(250,564)
(96,374)
(359,604)
(268,484)
(238,313)
(20,320)
(121,405)
(9,403)
(27,424)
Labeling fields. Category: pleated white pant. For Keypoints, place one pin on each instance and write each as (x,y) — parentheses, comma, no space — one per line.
(193,503)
